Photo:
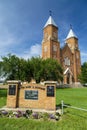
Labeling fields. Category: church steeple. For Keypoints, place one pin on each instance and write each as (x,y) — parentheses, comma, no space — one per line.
(50,30)
(50,21)
(72,40)
(50,43)
(71,33)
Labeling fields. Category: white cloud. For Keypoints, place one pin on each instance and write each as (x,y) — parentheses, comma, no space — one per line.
(7,42)
(35,50)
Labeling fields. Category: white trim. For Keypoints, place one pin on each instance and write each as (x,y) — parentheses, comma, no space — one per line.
(13,81)
(67,70)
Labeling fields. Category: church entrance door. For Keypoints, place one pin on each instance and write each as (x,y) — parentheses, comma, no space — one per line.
(68,76)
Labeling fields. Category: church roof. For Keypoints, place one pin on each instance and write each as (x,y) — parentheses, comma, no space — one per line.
(50,21)
(71,34)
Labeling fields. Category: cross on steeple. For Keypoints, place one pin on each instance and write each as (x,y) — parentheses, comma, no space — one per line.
(50,12)
(70,26)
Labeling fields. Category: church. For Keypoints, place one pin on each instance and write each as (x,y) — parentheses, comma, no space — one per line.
(68,56)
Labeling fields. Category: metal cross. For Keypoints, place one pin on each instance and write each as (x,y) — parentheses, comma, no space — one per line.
(50,12)
(70,26)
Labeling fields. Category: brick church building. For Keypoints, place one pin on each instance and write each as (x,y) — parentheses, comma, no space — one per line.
(68,56)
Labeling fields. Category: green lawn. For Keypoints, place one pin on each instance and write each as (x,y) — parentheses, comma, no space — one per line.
(71,120)
(3,95)
(73,96)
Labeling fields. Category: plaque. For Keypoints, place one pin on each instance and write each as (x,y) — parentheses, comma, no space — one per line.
(12,89)
(31,94)
(50,91)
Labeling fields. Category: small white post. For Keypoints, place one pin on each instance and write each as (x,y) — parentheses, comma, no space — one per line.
(62,107)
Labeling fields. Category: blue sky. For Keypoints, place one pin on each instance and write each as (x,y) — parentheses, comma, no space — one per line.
(22,22)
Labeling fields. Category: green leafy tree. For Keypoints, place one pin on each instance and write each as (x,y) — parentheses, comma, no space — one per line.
(21,69)
(15,68)
(83,75)
(10,66)
(48,69)
(29,70)
(52,70)
(36,66)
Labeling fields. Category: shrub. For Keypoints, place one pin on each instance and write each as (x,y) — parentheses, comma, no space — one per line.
(45,116)
(19,114)
(35,115)
(40,115)
(4,113)
(52,116)
(28,114)
(11,114)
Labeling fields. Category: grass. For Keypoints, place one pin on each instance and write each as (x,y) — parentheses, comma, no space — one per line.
(71,120)
(3,95)
(72,96)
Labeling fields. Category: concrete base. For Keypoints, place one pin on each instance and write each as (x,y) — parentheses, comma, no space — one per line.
(73,85)
(76,85)
(34,110)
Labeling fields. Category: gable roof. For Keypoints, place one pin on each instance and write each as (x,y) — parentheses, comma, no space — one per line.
(67,71)
(50,21)
(66,46)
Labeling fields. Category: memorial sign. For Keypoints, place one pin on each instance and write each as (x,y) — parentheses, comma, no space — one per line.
(31,95)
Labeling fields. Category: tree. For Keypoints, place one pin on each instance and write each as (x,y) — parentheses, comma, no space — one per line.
(36,66)
(52,70)
(15,68)
(48,69)
(21,69)
(83,75)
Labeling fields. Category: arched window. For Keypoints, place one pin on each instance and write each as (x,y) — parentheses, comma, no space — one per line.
(67,61)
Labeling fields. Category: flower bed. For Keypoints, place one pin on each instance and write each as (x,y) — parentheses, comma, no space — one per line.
(29,114)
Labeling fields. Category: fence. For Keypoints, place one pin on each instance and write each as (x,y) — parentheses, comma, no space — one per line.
(62,105)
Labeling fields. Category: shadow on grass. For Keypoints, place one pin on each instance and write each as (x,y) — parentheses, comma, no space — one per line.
(59,106)
(76,114)
(3,93)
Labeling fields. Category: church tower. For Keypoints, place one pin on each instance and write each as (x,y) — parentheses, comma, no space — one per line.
(72,42)
(68,56)
(50,43)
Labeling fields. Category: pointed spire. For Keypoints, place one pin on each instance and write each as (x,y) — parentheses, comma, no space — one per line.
(71,33)
(50,20)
